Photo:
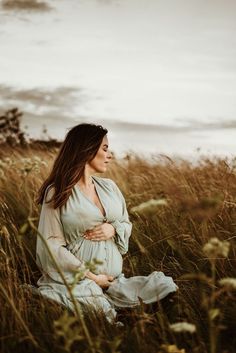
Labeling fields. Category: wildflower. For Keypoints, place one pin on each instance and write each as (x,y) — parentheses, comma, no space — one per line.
(172,348)
(149,207)
(229,282)
(8,160)
(2,164)
(183,327)
(29,165)
(216,247)
(37,159)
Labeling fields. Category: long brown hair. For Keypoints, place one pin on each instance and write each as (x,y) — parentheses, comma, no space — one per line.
(80,146)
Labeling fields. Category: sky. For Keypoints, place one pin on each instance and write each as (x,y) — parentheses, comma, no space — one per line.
(165,63)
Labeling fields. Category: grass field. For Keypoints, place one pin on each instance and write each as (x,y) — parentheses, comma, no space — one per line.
(189,234)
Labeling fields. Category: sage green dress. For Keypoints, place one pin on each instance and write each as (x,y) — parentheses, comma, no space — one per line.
(63,230)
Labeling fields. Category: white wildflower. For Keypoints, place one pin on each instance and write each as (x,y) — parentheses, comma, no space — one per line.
(183,327)
(2,164)
(25,160)
(31,165)
(149,207)
(8,160)
(172,348)
(216,247)
(37,159)
(229,282)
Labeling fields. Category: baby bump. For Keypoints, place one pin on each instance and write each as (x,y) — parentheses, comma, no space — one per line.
(106,252)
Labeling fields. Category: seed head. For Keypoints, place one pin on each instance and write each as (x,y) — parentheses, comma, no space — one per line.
(215,248)
(183,327)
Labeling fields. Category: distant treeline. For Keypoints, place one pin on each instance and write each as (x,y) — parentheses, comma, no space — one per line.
(12,135)
(33,5)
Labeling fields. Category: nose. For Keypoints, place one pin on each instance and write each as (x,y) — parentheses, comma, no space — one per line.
(109,155)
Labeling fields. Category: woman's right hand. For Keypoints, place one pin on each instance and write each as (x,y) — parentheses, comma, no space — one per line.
(104,281)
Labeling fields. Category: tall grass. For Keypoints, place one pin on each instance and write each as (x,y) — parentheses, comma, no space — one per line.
(199,204)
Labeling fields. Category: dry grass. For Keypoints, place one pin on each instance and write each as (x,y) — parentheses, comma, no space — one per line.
(200,204)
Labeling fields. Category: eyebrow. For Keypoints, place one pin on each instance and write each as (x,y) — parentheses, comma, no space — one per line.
(105,145)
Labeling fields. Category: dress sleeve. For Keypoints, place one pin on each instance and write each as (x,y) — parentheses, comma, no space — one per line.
(51,229)
(122,226)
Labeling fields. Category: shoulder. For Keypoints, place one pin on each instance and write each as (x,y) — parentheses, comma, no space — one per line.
(49,193)
(107,183)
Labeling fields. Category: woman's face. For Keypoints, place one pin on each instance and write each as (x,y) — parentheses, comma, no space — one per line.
(100,162)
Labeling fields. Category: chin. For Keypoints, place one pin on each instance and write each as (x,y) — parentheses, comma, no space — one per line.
(101,170)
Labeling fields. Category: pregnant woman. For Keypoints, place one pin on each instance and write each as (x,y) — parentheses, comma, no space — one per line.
(84,218)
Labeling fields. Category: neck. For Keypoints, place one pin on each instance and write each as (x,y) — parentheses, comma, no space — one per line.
(86,184)
(86,180)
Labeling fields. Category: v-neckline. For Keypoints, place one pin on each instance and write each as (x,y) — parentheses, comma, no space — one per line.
(99,198)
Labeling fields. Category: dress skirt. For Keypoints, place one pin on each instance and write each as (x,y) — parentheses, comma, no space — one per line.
(122,293)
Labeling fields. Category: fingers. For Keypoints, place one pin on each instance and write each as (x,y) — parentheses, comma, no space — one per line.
(105,280)
(109,282)
(93,232)
(93,235)
(96,228)
(98,233)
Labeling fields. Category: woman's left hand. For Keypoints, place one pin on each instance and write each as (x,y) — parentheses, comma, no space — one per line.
(103,231)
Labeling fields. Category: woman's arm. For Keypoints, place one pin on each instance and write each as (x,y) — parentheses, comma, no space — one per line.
(123,226)
(51,229)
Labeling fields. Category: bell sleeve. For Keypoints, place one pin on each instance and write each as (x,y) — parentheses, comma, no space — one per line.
(51,229)
(123,226)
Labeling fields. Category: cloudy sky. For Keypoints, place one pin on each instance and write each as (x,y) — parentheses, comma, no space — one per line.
(169,63)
